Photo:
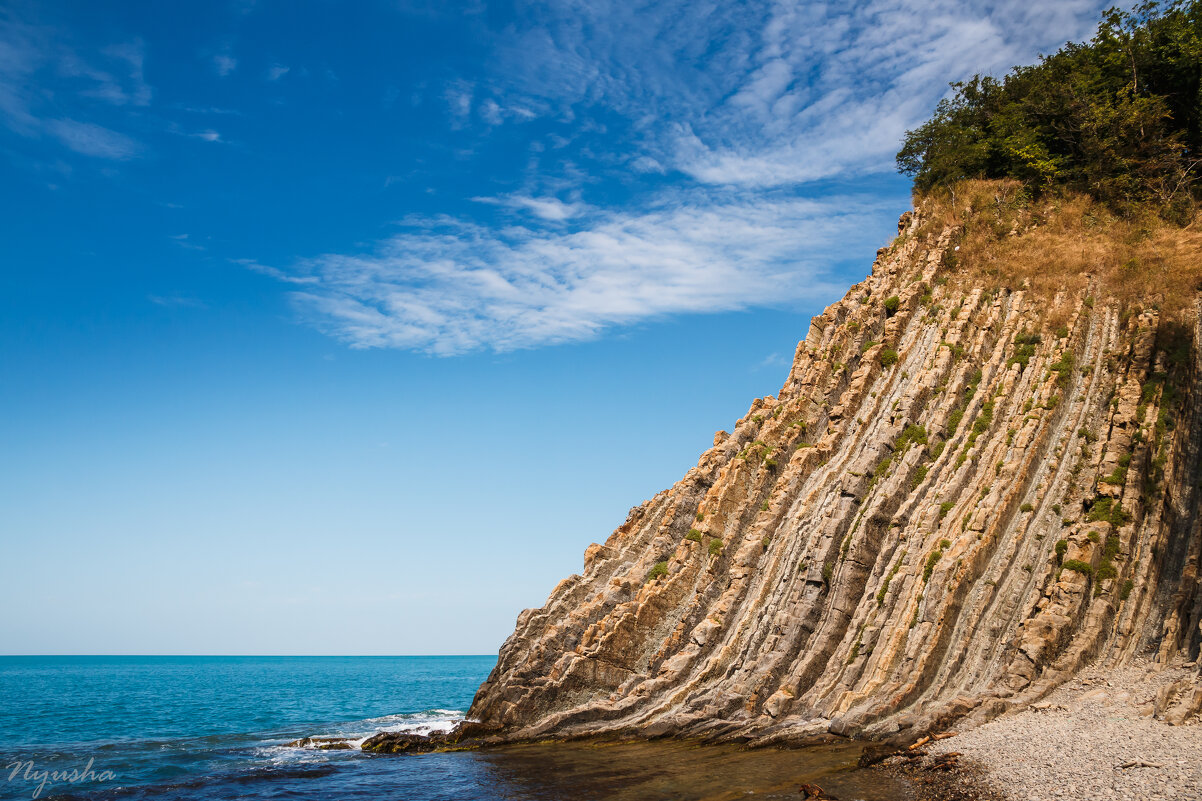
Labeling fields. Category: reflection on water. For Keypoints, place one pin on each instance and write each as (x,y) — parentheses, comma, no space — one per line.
(676,770)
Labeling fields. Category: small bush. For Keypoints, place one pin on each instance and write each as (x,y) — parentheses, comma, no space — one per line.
(1106,510)
(715,546)
(888,357)
(660,569)
(764,506)
(694,535)
(944,508)
(892,303)
(1093,536)
(1063,368)
(828,570)
(700,516)
(1125,592)
(1078,566)
(1061,549)
(929,567)
(1026,507)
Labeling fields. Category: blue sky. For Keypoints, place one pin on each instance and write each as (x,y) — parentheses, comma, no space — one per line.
(346,327)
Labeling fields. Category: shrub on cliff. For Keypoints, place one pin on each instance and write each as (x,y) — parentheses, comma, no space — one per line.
(1079,566)
(1118,117)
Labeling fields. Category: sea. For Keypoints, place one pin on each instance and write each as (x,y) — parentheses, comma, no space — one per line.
(218,727)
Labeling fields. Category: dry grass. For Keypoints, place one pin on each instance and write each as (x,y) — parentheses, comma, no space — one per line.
(1066,243)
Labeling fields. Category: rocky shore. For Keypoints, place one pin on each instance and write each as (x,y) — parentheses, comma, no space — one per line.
(1126,733)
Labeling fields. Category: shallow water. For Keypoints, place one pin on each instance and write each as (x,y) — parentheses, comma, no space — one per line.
(215,728)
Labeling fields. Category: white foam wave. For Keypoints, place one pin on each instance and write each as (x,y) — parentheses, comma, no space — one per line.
(356,732)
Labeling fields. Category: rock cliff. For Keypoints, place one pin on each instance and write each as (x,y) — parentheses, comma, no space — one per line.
(962,494)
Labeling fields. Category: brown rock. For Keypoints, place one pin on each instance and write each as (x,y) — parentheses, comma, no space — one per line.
(878,547)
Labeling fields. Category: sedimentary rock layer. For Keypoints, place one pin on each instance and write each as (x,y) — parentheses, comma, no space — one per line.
(960,496)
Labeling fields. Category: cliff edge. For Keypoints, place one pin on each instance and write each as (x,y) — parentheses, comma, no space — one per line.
(971,486)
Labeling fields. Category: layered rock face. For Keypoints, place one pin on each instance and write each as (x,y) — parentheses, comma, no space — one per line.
(960,496)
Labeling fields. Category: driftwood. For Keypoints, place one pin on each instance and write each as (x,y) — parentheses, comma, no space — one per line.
(1138,763)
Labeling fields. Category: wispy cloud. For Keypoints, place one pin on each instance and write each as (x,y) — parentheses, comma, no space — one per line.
(277,71)
(551,209)
(771,360)
(725,111)
(39,73)
(273,272)
(90,139)
(447,287)
(177,302)
(770,94)
(224,64)
(185,241)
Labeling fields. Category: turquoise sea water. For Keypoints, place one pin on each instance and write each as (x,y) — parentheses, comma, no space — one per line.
(184,728)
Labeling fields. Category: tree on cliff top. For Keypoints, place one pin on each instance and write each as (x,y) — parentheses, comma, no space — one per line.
(1118,117)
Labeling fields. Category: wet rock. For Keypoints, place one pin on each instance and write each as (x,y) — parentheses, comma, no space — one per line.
(322,743)
(391,742)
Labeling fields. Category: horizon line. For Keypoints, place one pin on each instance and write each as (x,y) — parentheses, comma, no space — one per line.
(332,656)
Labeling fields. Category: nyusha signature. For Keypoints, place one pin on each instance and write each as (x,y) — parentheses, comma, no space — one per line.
(26,771)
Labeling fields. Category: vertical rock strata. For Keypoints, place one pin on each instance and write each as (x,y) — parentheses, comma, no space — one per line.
(960,496)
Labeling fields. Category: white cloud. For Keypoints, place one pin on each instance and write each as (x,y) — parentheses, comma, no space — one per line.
(449,287)
(751,103)
(550,209)
(277,71)
(777,93)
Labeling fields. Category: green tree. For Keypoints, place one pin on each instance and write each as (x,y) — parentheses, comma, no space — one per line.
(1119,117)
